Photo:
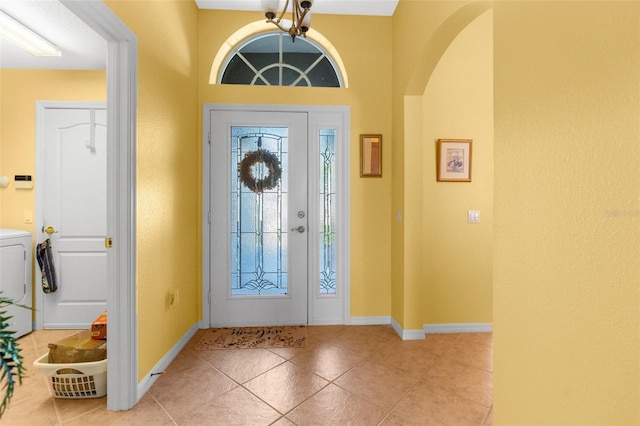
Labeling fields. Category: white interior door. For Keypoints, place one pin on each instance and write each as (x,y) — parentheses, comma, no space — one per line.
(73,188)
(258,231)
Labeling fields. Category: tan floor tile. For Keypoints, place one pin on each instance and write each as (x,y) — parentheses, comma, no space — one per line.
(489,420)
(29,411)
(438,344)
(237,407)
(471,354)
(327,361)
(381,385)
(69,409)
(393,420)
(287,353)
(283,421)
(323,333)
(193,342)
(409,357)
(335,406)
(242,364)
(285,386)
(146,412)
(485,339)
(33,384)
(426,404)
(185,360)
(191,384)
(364,340)
(468,382)
(183,391)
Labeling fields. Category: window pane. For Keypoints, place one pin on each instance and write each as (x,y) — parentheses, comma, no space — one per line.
(267,54)
(323,75)
(258,249)
(327,168)
(237,72)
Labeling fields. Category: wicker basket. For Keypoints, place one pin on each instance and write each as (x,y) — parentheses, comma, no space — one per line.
(75,380)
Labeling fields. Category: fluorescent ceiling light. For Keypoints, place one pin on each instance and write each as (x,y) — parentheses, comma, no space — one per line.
(25,38)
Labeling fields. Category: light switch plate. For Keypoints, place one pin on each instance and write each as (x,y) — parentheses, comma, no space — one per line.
(473,216)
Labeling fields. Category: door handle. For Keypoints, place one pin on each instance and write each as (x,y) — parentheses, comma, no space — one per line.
(299,229)
(49,230)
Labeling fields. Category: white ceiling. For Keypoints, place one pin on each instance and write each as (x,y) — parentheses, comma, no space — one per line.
(337,7)
(82,48)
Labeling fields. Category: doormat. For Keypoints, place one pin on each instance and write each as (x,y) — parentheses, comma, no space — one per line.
(254,338)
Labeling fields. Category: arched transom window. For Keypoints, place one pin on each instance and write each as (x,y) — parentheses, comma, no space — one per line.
(273,59)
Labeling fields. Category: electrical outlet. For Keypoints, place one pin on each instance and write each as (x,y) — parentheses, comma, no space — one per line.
(174,297)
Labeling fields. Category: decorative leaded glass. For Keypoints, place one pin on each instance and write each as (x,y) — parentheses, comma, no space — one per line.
(273,59)
(258,211)
(327,211)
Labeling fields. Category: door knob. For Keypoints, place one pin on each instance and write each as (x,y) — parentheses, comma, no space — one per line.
(298,229)
(49,230)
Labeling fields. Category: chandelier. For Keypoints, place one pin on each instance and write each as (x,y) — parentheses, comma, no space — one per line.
(300,16)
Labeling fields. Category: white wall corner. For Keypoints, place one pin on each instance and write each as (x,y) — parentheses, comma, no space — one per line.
(165,361)
(407,334)
(474,327)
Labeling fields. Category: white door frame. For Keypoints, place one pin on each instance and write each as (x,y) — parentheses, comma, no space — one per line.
(122,89)
(319,116)
(41,108)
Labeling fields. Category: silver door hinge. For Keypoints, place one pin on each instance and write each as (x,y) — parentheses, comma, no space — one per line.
(209,138)
(209,217)
(209,297)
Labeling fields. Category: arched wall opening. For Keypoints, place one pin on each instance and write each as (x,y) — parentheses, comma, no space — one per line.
(446,268)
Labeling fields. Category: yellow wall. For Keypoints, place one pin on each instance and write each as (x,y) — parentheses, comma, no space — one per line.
(456,280)
(168,216)
(567,230)
(405,254)
(442,89)
(366,55)
(19,92)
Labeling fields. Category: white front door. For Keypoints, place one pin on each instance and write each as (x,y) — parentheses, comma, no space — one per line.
(258,232)
(72,187)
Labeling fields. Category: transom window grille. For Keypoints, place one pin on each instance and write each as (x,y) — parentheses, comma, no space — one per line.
(273,59)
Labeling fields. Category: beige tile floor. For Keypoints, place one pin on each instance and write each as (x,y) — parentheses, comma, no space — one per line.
(347,375)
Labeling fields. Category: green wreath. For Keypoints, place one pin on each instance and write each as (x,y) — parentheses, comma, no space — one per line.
(272,164)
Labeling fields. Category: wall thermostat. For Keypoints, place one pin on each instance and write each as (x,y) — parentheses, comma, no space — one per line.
(23,181)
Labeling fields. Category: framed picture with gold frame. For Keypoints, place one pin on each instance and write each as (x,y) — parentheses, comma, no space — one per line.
(370,155)
(453,160)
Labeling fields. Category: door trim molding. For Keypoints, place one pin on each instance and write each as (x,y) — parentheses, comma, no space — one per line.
(315,114)
(122,89)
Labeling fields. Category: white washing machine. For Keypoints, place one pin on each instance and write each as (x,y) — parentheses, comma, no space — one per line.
(15,278)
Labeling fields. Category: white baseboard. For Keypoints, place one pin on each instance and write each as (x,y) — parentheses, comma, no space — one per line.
(419,334)
(383,320)
(162,365)
(407,334)
(474,327)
